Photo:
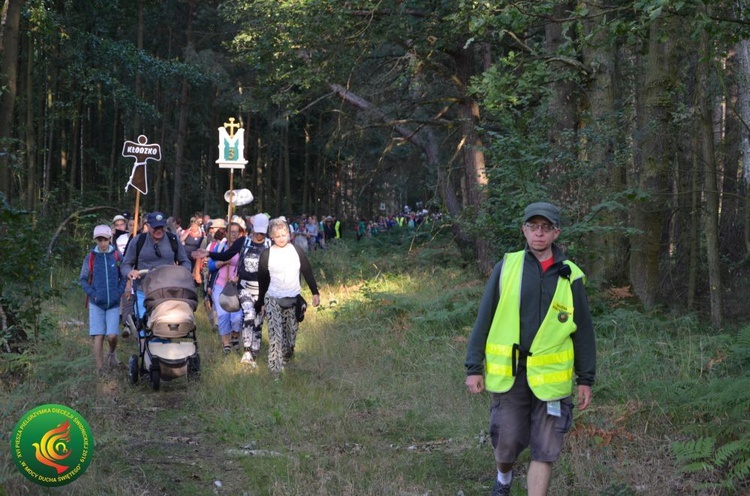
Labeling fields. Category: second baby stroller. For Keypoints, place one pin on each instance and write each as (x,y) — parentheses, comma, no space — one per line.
(167,345)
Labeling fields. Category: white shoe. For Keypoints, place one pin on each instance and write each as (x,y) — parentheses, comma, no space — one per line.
(247,359)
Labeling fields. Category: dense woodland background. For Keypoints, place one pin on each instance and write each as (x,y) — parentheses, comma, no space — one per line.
(632,115)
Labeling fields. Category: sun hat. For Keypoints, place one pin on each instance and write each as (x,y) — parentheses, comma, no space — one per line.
(543,209)
(260,223)
(156,219)
(218,224)
(236,219)
(102,232)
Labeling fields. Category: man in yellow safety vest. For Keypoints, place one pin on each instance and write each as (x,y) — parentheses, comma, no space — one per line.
(532,335)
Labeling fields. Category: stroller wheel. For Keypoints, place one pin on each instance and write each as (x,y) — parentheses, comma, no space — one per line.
(194,368)
(155,379)
(133,369)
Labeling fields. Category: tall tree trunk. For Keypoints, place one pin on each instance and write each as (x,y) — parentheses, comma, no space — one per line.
(743,82)
(179,160)
(279,179)
(49,147)
(53,158)
(602,129)
(695,205)
(113,177)
(563,103)
(260,190)
(9,69)
(729,159)
(74,149)
(31,155)
(336,197)
(162,202)
(306,171)
(711,215)
(287,169)
(475,177)
(651,159)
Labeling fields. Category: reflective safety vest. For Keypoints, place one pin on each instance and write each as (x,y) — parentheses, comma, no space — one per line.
(549,364)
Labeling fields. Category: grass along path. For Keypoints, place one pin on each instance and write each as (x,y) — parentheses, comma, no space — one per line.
(373,403)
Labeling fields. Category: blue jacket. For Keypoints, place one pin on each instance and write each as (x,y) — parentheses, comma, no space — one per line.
(107,285)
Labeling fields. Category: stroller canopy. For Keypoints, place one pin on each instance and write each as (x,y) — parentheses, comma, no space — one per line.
(169,282)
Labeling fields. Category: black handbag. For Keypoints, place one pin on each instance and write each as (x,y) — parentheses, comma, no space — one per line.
(300,308)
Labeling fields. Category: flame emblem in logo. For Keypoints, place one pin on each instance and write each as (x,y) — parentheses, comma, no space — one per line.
(53,447)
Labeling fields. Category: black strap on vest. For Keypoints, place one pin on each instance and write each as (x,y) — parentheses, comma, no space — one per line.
(518,357)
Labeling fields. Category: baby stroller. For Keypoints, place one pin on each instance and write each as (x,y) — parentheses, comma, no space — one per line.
(167,345)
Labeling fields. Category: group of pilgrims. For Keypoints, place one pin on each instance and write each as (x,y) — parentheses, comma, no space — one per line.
(254,254)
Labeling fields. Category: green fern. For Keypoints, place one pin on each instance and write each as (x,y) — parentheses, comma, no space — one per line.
(743,337)
(741,471)
(696,454)
(724,446)
(732,450)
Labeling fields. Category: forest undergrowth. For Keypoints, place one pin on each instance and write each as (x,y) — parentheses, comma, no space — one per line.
(374,402)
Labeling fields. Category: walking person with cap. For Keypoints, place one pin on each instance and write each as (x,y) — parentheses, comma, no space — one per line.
(249,249)
(101,280)
(120,234)
(252,321)
(533,334)
(151,249)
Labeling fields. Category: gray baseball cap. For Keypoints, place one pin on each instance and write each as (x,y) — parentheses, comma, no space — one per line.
(543,209)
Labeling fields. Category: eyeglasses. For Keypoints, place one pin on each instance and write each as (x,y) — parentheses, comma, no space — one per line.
(157,251)
(535,227)
(158,228)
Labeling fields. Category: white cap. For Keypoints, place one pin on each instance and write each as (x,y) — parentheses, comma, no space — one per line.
(260,223)
(102,232)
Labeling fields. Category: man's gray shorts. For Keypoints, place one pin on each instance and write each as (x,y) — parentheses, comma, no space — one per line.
(518,419)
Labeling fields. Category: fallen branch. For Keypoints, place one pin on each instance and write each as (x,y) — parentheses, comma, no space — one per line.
(72,216)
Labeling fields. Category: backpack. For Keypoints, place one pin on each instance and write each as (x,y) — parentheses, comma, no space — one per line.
(91,269)
(243,253)
(141,240)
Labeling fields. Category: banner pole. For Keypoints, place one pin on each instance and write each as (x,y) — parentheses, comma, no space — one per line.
(136,216)
(231,195)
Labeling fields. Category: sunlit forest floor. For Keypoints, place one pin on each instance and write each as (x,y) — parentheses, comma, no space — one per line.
(374,402)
